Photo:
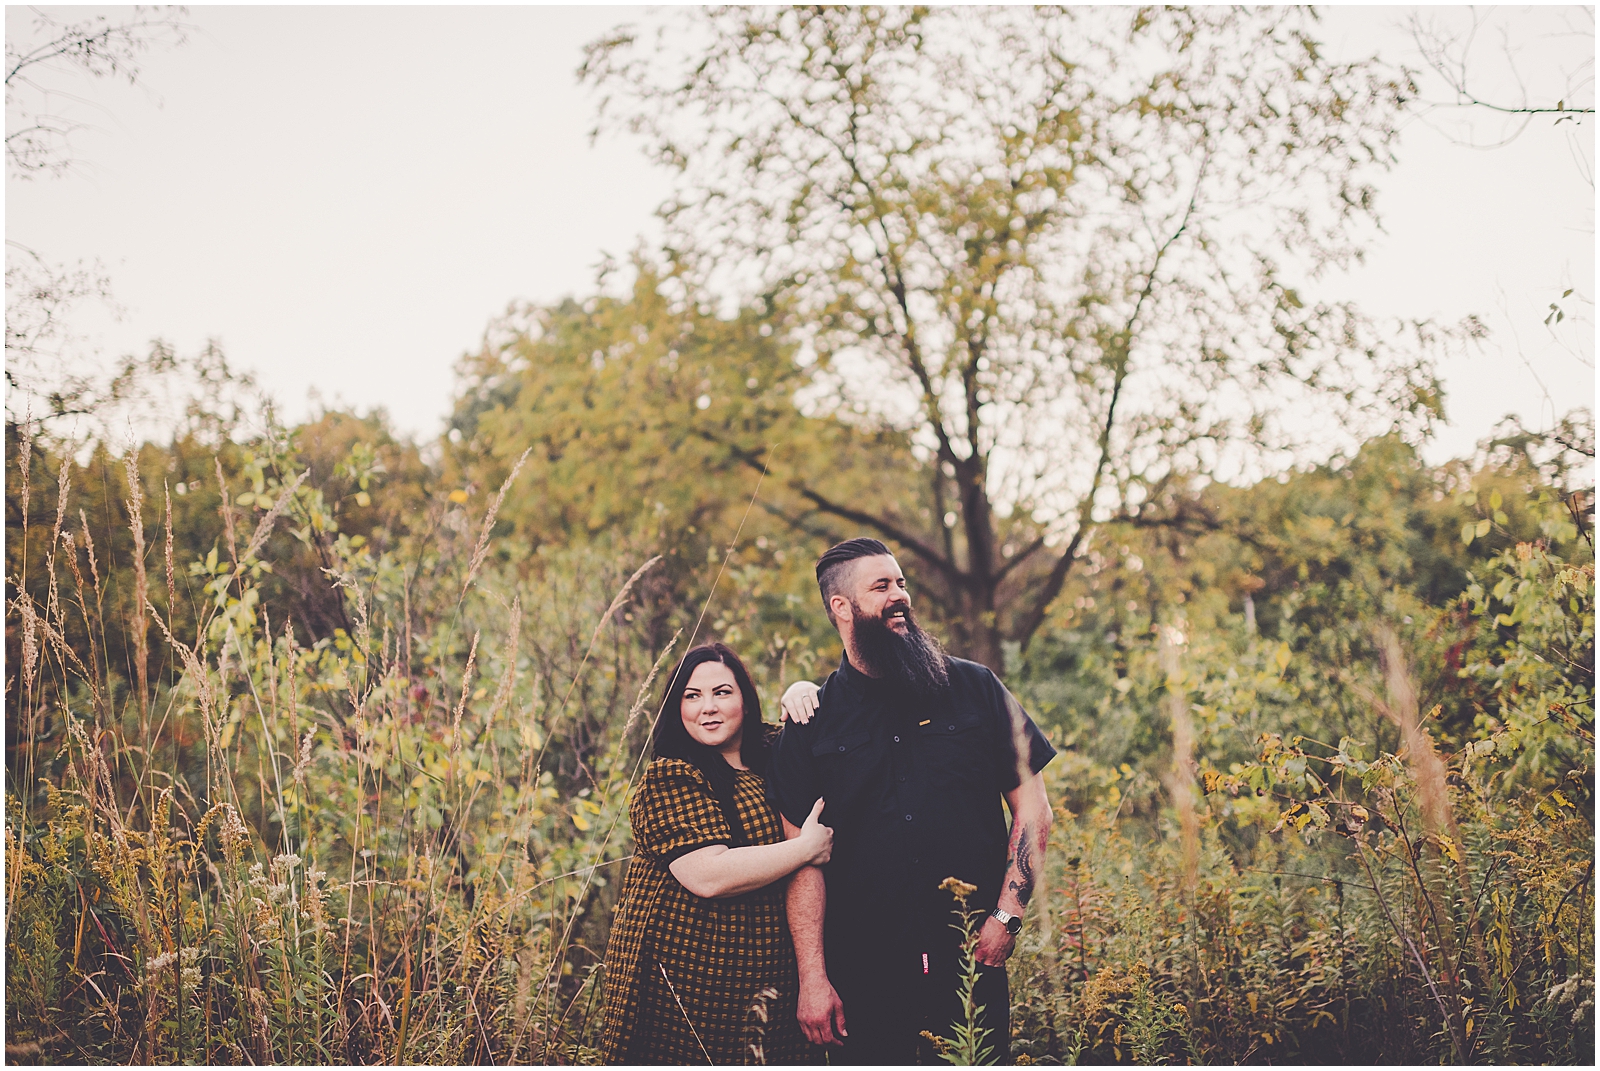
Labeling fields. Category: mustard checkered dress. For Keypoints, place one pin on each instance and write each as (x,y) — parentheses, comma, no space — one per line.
(716,954)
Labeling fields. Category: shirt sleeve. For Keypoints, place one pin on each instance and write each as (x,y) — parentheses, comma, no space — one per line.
(793,786)
(674,812)
(1022,750)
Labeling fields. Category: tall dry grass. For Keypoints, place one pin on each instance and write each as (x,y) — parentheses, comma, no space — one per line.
(245,848)
(401,842)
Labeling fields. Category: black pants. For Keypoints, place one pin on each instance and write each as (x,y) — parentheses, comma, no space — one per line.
(886,1011)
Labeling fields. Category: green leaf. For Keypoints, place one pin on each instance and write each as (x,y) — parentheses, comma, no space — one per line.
(1467,533)
(1494,499)
(1483,528)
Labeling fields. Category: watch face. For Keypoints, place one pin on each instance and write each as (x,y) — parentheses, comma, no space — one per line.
(1014,925)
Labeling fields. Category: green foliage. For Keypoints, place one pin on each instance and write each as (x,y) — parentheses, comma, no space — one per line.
(1357,900)
(392,829)
(655,426)
(1533,665)
(970,1043)
(1274,586)
(1017,236)
(319,745)
(194,830)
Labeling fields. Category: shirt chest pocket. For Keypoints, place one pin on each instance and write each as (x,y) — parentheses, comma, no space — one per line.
(844,767)
(954,751)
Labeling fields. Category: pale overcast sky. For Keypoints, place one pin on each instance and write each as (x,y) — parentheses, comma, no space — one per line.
(345,197)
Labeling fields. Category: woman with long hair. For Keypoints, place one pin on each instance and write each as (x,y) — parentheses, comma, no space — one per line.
(700,966)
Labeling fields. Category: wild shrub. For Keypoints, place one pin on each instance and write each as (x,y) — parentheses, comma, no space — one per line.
(392,842)
(1401,903)
(393,830)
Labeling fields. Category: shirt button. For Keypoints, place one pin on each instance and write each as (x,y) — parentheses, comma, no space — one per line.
(902,777)
(908,818)
(897,739)
(841,747)
(952,729)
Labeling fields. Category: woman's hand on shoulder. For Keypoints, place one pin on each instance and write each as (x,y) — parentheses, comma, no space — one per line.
(817,838)
(799,702)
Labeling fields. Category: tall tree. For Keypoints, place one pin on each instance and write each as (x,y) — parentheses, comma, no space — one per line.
(1054,247)
(646,419)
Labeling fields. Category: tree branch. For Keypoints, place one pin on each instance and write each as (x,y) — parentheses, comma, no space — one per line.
(1047,592)
(929,554)
(899,535)
(1021,556)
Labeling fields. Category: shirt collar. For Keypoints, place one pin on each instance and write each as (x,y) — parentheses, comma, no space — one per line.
(855,680)
(858,683)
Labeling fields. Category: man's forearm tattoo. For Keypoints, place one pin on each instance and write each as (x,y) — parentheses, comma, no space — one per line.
(1024,864)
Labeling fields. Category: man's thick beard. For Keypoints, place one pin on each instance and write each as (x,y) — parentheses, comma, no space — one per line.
(914,660)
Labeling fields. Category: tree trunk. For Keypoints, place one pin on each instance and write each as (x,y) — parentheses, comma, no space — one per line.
(981,639)
(980,623)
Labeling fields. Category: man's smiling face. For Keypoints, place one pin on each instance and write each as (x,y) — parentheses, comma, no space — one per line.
(877,589)
(876,621)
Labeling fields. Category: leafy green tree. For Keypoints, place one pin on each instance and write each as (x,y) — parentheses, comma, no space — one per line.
(1300,569)
(648,422)
(1058,251)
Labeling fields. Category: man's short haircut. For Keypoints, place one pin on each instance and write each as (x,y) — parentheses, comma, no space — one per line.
(831,566)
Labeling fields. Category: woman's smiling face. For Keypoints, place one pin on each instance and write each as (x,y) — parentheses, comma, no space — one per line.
(713,709)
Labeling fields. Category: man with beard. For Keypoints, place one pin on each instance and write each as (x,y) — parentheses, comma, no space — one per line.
(913,752)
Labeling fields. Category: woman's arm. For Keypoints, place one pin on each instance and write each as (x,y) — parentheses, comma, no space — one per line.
(719,871)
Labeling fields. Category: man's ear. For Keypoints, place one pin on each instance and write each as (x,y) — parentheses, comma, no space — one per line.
(840,605)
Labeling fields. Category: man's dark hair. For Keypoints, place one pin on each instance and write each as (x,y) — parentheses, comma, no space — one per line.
(831,566)
(670,740)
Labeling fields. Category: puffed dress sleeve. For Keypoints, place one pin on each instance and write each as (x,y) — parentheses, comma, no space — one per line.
(674,812)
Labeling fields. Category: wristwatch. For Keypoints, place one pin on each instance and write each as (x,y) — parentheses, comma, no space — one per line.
(1012,923)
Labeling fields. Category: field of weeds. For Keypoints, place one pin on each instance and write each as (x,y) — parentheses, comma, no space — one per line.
(278,792)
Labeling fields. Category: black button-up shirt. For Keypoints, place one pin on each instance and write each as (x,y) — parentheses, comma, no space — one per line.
(914,795)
